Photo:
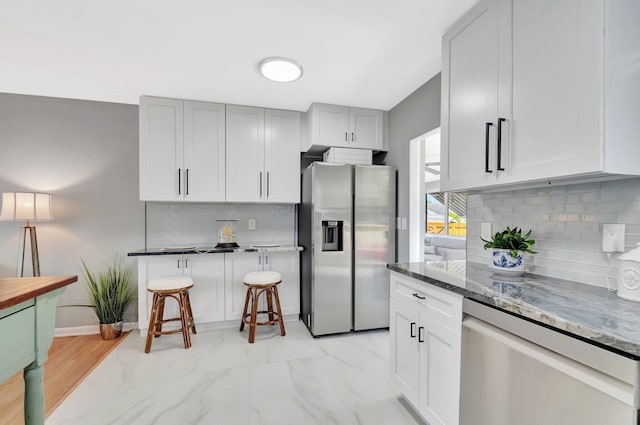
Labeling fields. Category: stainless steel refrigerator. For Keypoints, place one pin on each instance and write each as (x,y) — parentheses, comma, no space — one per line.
(347,227)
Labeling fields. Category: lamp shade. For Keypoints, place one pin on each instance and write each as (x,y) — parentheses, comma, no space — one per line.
(26,206)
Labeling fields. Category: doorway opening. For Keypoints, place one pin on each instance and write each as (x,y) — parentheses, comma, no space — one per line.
(437,220)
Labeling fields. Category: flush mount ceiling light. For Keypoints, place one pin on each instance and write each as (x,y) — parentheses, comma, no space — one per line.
(281,70)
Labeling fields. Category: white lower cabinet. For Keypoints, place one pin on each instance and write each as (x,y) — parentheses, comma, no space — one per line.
(239,264)
(207,294)
(218,293)
(425,334)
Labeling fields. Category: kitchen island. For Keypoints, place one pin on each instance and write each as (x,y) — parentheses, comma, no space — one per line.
(459,329)
(217,297)
(27,322)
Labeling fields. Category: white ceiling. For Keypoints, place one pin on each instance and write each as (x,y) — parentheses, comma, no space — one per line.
(368,53)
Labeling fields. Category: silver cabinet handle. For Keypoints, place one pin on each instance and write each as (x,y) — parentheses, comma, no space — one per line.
(179,181)
(353,137)
(186,182)
(261,184)
(186,263)
(266,260)
(346,136)
(260,259)
(178,263)
(419,296)
(267,184)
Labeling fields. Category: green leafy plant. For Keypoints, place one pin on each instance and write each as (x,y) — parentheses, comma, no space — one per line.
(511,239)
(109,292)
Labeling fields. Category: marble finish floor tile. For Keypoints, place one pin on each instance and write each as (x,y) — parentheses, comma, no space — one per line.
(222,379)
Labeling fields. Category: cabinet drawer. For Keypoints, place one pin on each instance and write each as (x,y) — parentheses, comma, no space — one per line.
(437,304)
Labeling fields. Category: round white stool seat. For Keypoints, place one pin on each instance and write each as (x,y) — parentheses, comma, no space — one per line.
(262,278)
(170,283)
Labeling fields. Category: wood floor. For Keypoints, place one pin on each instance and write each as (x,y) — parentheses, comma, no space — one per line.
(71,359)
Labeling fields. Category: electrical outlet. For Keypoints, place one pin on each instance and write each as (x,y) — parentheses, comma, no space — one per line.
(485,231)
(613,237)
(252,224)
(404,223)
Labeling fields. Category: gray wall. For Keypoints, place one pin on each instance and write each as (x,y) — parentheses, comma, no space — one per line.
(414,116)
(85,154)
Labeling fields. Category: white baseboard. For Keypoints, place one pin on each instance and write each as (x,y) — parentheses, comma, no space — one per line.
(89,330)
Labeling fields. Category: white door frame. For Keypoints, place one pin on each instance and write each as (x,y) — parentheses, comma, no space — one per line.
(417,193)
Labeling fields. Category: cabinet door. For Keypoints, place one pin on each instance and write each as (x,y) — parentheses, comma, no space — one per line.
(151,267)
(287,264)
(245,178)
(161,149)
(470,99)
(330,125)
(204,151)
(365,128)
(207,294)
(282,157)
(236,266)
(439,372)
(403,333)
(555,120)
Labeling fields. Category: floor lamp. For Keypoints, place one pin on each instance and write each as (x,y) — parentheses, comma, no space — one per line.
(28,206)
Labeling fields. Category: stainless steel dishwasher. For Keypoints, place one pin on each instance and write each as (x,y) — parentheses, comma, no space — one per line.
(521,373)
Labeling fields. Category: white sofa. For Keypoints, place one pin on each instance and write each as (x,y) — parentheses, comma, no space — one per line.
(444,248)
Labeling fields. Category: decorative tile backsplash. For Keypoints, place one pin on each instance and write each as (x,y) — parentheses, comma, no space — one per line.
(174,224)
(567,226)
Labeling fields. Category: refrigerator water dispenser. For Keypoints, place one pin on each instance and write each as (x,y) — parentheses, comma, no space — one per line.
(332,235)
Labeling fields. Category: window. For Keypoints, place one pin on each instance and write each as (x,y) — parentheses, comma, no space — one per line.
(446,214)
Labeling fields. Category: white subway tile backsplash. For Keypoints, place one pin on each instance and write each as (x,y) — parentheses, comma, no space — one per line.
(180,224)
(566,223)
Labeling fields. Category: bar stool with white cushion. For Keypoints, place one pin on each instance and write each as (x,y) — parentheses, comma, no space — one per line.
(259,283)
(176,287)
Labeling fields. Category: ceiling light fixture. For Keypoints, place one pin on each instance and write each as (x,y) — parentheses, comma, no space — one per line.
(281,70)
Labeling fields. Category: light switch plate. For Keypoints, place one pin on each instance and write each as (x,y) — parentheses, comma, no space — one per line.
(485,231)
(252,224)
(613,237)
(404,223)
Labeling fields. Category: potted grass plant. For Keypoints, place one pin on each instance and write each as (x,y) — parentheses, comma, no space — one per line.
(508,246)
(109,296)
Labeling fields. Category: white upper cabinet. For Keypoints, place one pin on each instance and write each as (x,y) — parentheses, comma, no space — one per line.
(281,156)
(204,151)
(245,153)
(182,150)
(263,163)
(331,125)
(161,149)
(540,90)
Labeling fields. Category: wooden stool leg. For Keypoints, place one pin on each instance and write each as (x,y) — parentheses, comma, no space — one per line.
(254,317)
(161,300)
(270,304)
(275,293)
(184,319)
(191,320)
(246,306)
(152,322)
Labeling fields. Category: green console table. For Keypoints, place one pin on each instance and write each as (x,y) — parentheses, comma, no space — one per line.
(27,322)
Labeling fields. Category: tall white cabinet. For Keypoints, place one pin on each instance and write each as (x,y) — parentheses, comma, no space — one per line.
(263,163)
(182,150)
(425,331)
(533,91)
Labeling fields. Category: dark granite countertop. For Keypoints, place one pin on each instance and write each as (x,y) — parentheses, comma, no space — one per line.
(590,313)
(213,250)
